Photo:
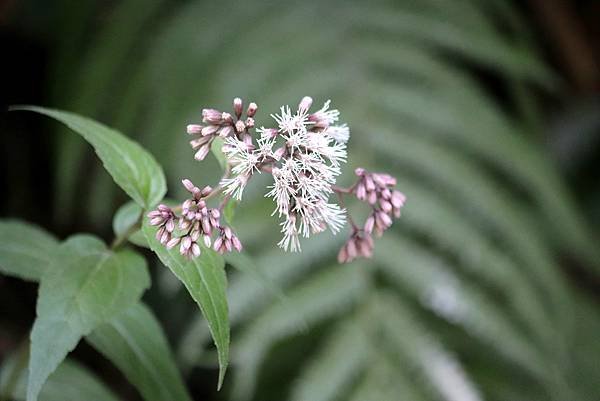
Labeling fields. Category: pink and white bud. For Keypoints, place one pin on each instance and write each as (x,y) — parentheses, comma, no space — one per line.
(252,107)
(211,116)
(194,129)
(249,122)
(369,224)
(173,243)
(238,106)
(209,130)
(188,184)
(236,243)
(195,250)
(225,131)
(205,192)
(202,152)
(227,118)
(305,104)
(240,126)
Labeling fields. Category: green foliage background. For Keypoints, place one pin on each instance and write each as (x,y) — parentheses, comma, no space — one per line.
(466,298)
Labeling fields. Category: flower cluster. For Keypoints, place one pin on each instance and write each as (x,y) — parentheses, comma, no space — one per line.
(303,153)
(376,189)
(196,221)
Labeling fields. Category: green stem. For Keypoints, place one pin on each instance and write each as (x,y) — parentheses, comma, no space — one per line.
(121,239)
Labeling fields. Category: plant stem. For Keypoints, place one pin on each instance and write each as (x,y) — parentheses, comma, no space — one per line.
(119,240)
(340,194)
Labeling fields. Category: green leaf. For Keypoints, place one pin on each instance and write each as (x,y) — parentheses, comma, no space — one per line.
(204,277)
(215,148)
(124,223)
(135,342)
(24,249)
(84,286)
(69,382)
(133,168)
(229,211)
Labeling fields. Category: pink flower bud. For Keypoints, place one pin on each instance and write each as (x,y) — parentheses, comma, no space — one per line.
(196,250)
(211,116)
(351,248)
(359,171)
(209,130)
(194,129)
(249,122)
(202,152)
(369,183)
(343,255)
(372,197)
(186,243)
(226,117)
(238,106)
(398,199)
(369,224)
(252,107)
(361,192)
(225,131)
(173,243)
(385,205)
(305,104)
(205,191)
(217,244)
(236,243)
(240,126)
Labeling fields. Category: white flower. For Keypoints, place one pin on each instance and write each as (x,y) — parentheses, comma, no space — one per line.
(290,240)
(324,117)
(288,122)
(339,133)
(244,160)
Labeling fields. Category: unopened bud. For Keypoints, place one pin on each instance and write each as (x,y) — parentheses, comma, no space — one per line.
(249,122)
(252,107)
(305,104)
(202,152)
(211,116)
(238,105)
(209,130)
(194,129)
(225,131)
(189,185)
(240,126)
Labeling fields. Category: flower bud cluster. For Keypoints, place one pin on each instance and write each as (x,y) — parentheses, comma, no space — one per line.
(223,124)
(196,222)
(375,189)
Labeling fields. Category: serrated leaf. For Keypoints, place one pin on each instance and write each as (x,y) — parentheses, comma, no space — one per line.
(24,249)
(136,344)
(132,167)
(84,286)
(124,221)
(204,278)
(69,382)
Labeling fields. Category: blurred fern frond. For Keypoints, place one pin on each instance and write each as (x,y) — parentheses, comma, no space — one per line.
(465,300)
